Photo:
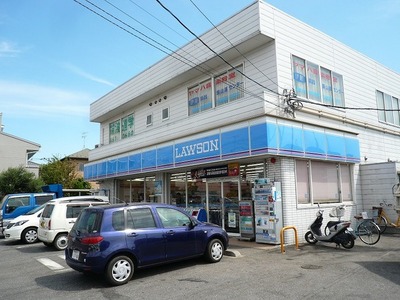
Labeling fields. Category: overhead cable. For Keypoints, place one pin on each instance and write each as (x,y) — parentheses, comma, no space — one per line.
(212,50)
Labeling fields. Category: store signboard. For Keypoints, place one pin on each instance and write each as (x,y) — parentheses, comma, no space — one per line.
(218,171)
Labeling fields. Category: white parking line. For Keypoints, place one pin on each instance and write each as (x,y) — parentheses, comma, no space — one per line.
(52,265)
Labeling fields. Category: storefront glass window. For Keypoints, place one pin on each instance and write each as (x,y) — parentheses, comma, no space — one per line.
(328,182)
(178,189)
(345,174)
(196,193)
(131,190)
(151,194)
(302,183)
(325,185)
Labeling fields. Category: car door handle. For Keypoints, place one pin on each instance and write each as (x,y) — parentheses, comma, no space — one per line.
(170,232)
(132,234)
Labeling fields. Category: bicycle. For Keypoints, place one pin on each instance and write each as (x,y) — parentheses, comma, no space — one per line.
(367,230)
(382,219)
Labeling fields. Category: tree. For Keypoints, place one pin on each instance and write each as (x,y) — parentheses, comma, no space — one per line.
(62,172)
(58,171)
(79,183)
(19,180)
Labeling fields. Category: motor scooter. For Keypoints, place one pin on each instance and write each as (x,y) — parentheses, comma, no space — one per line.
(340,232)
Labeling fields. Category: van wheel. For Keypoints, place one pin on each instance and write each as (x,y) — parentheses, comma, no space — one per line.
(60,242)
(29,235)
(120,270)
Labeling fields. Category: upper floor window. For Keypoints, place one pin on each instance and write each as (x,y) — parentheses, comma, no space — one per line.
(317,83)
(127,124)
(115,131)
(149,120)
(165,114)
(389,108)
(227,87)
(122,128)
(200,97)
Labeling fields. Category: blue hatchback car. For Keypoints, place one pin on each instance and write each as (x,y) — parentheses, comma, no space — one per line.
(115,240)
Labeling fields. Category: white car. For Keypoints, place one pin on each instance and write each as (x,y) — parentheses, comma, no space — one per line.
(59,216)
(25,227)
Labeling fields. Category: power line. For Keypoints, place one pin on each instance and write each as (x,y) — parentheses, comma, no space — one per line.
(131,33)
(212,50)
(234,45)
(166,25)
(196,66)
(342,107)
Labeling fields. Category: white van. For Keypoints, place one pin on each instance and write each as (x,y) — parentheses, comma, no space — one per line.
(59,216)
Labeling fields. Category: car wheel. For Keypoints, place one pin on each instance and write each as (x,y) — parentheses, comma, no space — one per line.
(215,251)
(29,235)
(60,242)
(119,270)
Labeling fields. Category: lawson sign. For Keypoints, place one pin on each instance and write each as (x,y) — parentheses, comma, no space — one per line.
(263,138)
(198,149)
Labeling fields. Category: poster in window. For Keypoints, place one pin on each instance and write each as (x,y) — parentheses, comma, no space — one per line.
(235,78)
(221,89)
(205,95)
(299,77)
(115,131)
(326,83)
(314,90)
(338,93)
(127,126)
(194,100)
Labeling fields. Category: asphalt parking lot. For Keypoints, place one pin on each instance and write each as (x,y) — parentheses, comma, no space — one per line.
(323,270)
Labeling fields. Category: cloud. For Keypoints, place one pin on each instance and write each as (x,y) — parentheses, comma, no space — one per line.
(24,99)
(86,75)
(8,49)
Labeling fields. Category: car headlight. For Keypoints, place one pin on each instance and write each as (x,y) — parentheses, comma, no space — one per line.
(19,223)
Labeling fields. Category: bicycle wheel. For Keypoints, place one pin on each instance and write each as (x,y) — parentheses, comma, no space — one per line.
(368,232)
(382,223)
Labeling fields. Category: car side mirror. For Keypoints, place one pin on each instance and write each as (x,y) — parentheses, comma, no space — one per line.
(192,224)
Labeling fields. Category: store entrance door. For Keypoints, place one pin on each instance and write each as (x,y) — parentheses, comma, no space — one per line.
(223,204)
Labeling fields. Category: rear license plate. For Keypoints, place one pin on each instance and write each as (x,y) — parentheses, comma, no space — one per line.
(75,254)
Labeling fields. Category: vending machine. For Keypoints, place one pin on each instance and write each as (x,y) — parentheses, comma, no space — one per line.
(267,211)
(246,220)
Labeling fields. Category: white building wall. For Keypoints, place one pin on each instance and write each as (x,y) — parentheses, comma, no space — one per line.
(284,37)
(362,77)
(379,179)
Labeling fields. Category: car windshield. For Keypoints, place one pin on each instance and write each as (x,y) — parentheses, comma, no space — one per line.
(35,210)
(89,221)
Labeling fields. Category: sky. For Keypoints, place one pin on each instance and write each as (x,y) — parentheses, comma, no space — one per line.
(57,57)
